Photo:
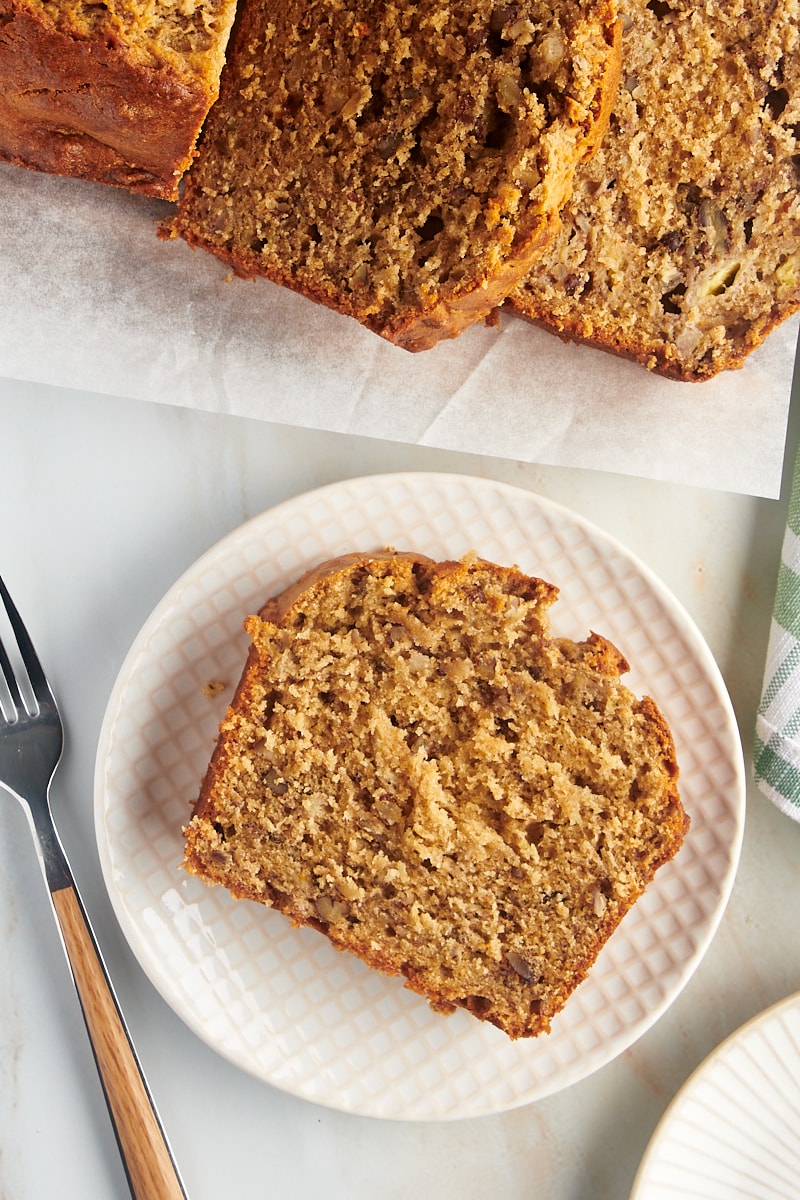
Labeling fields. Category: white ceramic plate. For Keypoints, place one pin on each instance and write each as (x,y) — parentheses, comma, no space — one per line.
(733,1130)
(281,1002)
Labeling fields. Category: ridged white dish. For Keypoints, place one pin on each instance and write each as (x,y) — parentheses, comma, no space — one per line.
(733,1130)
(281,1002)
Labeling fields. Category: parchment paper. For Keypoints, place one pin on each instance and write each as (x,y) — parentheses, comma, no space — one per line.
(92,299)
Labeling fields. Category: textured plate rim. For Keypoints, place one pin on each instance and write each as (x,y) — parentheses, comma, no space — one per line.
(689,630)
(672,1112)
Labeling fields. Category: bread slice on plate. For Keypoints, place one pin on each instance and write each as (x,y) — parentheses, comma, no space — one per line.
(413,765)
(402,163)
(113,92)
(680,246)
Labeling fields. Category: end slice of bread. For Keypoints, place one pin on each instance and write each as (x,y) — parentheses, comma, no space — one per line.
(413,765)
(115,93)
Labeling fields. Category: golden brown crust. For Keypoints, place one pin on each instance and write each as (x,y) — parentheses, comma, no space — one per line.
(414,767)
(90,104)
(454,571)
(414,332)
(658,358)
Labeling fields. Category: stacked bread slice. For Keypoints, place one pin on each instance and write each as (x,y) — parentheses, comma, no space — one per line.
(403,163)
(680,245)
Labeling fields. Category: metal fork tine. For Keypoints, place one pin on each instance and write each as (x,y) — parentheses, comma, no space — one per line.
(7,672)
(37,677)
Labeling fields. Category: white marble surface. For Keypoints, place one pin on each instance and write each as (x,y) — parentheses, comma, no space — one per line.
(104,503)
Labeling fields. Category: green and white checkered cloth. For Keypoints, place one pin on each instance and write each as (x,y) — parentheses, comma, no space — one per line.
(776,754)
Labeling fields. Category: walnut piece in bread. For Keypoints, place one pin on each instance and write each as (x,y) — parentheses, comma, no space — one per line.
(680,246)
(413,765)
(402,163)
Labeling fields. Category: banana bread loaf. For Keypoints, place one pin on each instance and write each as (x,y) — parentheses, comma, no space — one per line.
(413,765)
(403,163)
(680,246)
(113,92)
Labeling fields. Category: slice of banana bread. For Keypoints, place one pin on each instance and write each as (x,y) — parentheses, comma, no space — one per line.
(680,247)
(113,92)
(403,163)
(413,765)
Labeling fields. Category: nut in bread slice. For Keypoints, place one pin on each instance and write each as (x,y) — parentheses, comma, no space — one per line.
(402,163)
(414,766)
(680,245)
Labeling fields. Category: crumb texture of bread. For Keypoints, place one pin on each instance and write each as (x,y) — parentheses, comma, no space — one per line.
(403,163)
(115,93)
(414,766)
(680,246)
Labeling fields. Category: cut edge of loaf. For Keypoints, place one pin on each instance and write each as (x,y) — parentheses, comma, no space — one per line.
(438,310)
(680,245)
(597,664)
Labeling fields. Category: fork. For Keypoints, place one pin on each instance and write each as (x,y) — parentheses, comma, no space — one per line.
(31,742)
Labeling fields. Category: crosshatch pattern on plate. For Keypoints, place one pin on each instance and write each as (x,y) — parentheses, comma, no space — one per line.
(281,1002)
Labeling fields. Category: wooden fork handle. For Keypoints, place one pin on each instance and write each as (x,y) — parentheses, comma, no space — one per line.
(152,1174)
